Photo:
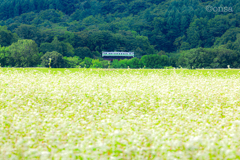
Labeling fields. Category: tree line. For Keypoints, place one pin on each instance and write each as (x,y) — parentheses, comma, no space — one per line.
(25,53)
(178,29)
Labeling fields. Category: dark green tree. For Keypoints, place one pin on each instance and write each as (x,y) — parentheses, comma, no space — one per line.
(57,60)
(134,63)
(7,37)
(83,52)
(65,49)
(24,53)
(28,32)
(5,56)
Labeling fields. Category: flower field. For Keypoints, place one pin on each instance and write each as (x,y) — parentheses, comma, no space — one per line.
(119,114)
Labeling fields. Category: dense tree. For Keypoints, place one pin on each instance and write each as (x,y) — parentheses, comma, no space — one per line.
(24,53)
(96,64)
(72,62)
(115,64)
(229,36)
(155,61)
(51,15)
(100,41)
(83,52)
(28,32)
(209,58)
(87,62)
(65,49)
(123,63)
(134,63)
(5,56)
(7,37)
(105,64)
(57,60)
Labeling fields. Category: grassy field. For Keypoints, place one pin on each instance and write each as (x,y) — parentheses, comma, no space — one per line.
(119,114)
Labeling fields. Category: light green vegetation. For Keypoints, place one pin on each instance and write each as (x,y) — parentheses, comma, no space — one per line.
(119,114)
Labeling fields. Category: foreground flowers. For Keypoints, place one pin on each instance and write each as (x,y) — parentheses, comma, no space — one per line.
(119,114)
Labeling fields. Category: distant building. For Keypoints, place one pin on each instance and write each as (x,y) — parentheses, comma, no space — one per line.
(110,56)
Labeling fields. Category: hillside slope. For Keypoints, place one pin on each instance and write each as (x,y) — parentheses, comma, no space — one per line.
(145,27)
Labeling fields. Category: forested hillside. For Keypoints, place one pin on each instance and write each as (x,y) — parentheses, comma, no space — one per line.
(180,32)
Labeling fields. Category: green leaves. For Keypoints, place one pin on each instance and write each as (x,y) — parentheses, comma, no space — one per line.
(56,62)
(155,61)
(209,57)
(24,53)
(6,36)
(65,49)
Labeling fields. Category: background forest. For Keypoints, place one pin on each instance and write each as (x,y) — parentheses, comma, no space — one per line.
(160,32)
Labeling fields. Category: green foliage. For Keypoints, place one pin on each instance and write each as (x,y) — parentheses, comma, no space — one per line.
(209,58)
(24,53)
(7,37)
(134,63)
(96,64)
(57,60)
(123,63)
(28,32)
(87,62)
(155,61)
(83,52)
(105,64)
(168,67)
(228,37)
(86,28)
(115,64)
(65,49)
(51,15)
(5,56)
(71,62)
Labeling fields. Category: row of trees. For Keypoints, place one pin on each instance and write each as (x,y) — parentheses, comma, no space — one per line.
(147,61)
(209,58)
(25,53)
(82,44)
(194,58)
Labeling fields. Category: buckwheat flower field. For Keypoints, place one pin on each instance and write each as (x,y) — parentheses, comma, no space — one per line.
(119,114)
